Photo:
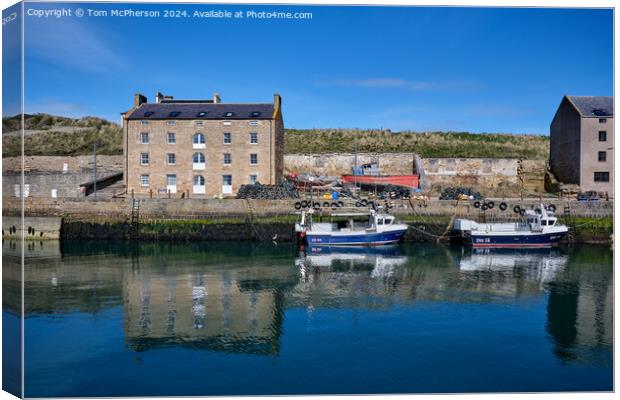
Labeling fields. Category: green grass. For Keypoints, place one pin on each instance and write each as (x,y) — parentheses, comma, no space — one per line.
(427,144)
(108,136)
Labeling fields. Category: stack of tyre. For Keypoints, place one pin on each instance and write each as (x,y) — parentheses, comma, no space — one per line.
(503,206)
(317,204)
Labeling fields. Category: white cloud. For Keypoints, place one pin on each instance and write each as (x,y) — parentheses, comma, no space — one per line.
(410,85)
(72,45)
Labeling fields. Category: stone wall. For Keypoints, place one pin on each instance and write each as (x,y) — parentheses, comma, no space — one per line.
(490,176)
(332,164)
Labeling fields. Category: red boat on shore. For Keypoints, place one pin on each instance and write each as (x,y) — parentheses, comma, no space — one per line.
(411,181)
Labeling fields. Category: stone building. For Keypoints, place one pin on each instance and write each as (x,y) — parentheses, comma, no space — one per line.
(582,143)
(201,148)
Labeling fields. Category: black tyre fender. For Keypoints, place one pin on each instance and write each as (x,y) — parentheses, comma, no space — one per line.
(522,211)
(316,205)
(334,205)
(551,207)
(358,204)
(503,206)
(364,202)
(326,204)
(516,209)
(297,205)
(490,204)
(340,204)
(304,204)
(484,207)
(538,211)
(476,204)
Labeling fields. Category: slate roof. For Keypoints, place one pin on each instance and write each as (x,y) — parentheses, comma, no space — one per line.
(593,106)
(182,110)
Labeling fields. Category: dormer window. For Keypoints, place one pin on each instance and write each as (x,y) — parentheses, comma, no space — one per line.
(174,114)
(202,114)
(148,114)
(229,114)
(255,114)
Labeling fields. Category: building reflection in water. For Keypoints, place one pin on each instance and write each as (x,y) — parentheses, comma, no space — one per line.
(233,298)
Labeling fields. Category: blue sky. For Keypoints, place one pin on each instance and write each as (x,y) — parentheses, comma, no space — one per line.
(461,69)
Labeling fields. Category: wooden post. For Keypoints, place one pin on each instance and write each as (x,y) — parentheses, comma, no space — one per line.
(132,194)
(151,193)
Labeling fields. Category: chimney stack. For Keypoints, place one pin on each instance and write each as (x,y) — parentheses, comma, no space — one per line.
(216,98)
(138,99)
(277,100)
(159,97)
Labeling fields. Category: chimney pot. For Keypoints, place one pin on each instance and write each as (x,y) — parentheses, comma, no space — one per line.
(216,98)
(159,97)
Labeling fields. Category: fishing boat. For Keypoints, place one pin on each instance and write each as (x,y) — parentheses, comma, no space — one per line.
(536,228)
(369,228)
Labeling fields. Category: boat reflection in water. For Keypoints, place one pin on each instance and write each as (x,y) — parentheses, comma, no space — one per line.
(381,261)
(540,265)
(216,319)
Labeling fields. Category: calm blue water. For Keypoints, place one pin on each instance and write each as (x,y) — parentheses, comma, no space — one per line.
(106,319)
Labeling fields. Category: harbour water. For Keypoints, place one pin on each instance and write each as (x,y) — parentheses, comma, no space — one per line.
(154,319)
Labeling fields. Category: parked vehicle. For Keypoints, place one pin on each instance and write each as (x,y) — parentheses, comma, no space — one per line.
(588,196)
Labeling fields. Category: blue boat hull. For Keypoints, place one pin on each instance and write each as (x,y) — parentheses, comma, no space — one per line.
(529,240)
(356,239)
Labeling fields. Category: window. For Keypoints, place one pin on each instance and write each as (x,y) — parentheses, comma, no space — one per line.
(174,114)
(198,161)
(199,138)
(253,179)
(171,122)
(171,158)
(199,184)
(198,158)
(144,158)
(602,156)
(202,114)
(253,123)
(601,177)
(543,222)
(227,180)
(199,180)
(144,180)
(229,114)
(602,136)
(171,180)
(198,141)
(227,138)
(200,123)
(254,159)
(172,138)
(602,120)
(227,159)
(144,122)
(148,114)
(144,137)
(253,138)
(255,114)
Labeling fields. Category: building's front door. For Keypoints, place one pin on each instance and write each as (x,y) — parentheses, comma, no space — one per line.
(226,184)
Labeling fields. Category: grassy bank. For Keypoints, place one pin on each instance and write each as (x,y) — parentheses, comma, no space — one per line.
(427,144)
(60,136)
